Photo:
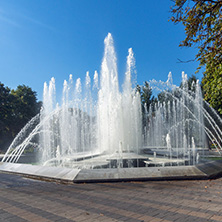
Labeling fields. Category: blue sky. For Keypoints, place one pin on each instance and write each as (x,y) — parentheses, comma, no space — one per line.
(54,38)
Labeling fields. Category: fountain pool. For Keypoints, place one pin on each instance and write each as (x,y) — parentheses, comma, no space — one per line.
(101,132)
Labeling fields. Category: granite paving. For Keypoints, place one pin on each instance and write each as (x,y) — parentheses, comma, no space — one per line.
(24,199)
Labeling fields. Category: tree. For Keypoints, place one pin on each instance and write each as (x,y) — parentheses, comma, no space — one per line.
(5,115)
(146,95)
(203,27)
(4,104)
(26,104)
(17,107)
(212,86)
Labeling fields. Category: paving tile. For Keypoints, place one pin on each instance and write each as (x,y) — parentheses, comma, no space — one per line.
(30,200)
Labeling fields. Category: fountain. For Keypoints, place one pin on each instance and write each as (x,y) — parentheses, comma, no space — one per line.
(102,132)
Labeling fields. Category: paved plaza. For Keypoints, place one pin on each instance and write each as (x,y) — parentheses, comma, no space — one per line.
(23,199)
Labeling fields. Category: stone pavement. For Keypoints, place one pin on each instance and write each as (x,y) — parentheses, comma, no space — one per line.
(23,199)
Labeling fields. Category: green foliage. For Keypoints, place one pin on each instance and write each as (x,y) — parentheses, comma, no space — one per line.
(192,80)
(146,95)
(26,103)
(202,20)
(5,114)
(203,26)
(17,107)
(212,87)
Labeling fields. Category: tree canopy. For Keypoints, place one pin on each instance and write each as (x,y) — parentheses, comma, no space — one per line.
(212,86)
(147,99)
(203,26)
(17,107)
(202,20)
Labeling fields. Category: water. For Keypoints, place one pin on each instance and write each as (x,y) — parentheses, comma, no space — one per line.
(84,127)
(100,125)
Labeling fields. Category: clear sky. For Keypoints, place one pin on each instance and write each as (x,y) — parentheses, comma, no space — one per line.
(40,39)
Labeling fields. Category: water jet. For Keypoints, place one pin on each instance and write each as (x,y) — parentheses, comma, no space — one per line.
(100,132)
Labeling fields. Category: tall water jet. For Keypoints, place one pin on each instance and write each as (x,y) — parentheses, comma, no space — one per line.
(49,101)
(108,100)
(119,114)
(86,128)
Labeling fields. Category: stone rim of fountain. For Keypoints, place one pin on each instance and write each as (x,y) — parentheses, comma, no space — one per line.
(209,170)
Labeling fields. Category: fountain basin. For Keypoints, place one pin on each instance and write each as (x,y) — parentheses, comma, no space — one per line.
(102,133)
(209,170)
